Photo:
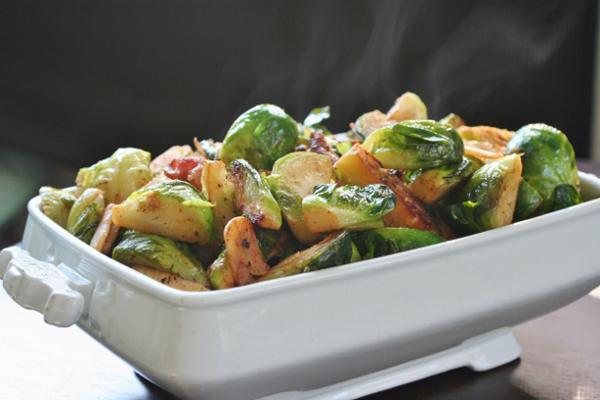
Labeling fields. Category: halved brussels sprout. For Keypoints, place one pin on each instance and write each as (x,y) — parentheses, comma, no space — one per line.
(384,241)
(453,120)
(488,201)
(548,163)
(335,249)
(409,106)
(85,214)
(161,253)
(253,196)
(126,171)
(330,207)
(432,184)
(369,123)
(261,135)
(359,167)
(415,144)
(174,209)
(528,200)
(171,280)
(294,177)
(496,137)
(221,192)
(56,204)
(220,274)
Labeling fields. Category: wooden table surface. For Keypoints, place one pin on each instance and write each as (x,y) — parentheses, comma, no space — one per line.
(560,360)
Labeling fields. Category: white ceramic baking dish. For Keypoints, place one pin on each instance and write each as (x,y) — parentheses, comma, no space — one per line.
(338,333)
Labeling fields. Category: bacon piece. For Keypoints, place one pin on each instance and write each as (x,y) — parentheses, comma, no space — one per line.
(187,169)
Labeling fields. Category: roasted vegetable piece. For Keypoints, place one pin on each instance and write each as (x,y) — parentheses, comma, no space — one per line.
(106,233)
(174,209)
(384,241)
(293,178)
(208,148)
(161,253)
(335,249)
(331,208)
(126,171)
(415,144)
(220,191)
(171,280)
(314,119)
(496,137)
(369,123)
(243,252)
(253,196)
(175,152)
(358,167)
(528,200)
(260,136)
(432,184)
(355,254)
(220,274)
(85,215)
(548,163)
(56,204)
(271,242)
(453,120)
(409,106)
(488,201)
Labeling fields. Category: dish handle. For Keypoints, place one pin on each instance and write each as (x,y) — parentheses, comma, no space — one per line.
(56,291)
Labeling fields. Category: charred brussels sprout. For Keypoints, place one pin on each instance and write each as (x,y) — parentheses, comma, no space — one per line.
(294,177)
(335,249)
(548,164)
(56,204)
(253,196)
(432,184)
(163,254)
(488,201)
(415,144)
(384,241)
(261,135)
(528,200)
(348,207)
(174,209)
(85,215)
(126,171)
(220,274)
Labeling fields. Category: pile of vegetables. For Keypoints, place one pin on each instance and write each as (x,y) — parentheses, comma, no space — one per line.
(278,198)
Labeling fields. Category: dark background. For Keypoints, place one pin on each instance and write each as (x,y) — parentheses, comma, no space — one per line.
(80,78)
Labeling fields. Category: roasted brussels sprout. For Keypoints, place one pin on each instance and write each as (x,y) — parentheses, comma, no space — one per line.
(161,253)
(220,274)
(171,280)
(253,196)
(415,144)
(488,201)
(316,116)
(219,191)
(126,171)
(174,209)
(56,204)
(359,167)
(294,177)
(330,207)
(261,135)
(355,254)
(369,123)
(335,249)
(432,184)
(384,241)
(528,200)
(548,164)
(409,106)
(85,215)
